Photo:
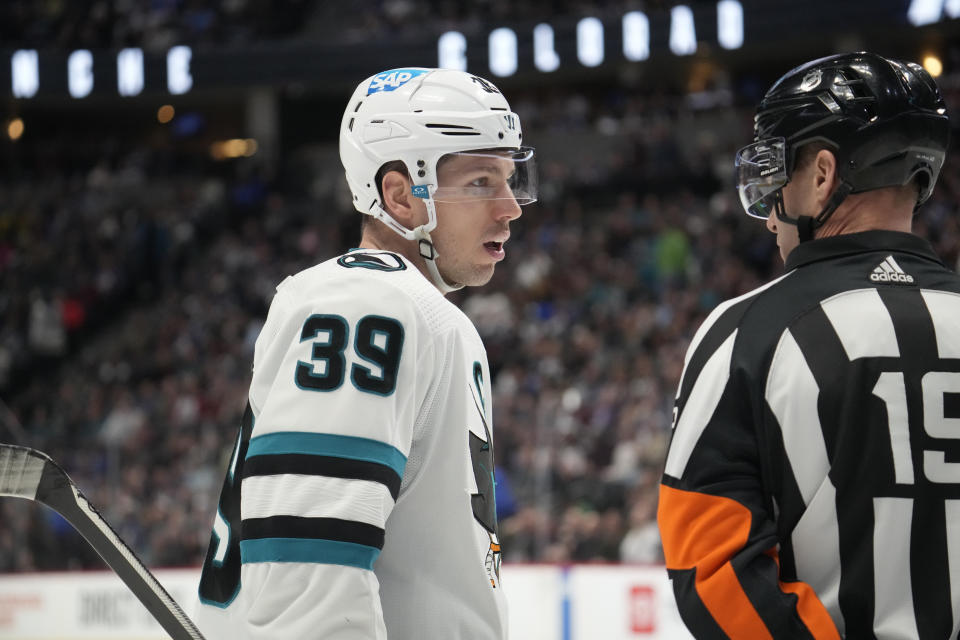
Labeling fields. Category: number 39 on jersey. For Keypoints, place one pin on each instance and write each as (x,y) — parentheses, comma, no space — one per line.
(375,351)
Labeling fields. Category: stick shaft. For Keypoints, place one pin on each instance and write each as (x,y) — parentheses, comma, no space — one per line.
(32,475)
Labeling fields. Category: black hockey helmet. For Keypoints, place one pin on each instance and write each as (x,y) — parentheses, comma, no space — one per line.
(883,119)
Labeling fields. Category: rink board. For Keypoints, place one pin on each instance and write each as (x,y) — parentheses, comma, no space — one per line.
(546,602)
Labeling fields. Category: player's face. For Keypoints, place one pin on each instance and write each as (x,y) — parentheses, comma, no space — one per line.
(471,232)
(799,199)
(787,235)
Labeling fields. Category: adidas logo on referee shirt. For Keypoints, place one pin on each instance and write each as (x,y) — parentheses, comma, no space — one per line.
(890,271)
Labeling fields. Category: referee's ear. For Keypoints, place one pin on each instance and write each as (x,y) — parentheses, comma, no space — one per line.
(824,176)
(399,201)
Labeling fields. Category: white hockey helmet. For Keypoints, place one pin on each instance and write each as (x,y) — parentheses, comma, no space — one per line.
(417,116)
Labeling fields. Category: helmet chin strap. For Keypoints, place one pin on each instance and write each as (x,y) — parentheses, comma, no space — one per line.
(420,235)
(807,225)
(430,255)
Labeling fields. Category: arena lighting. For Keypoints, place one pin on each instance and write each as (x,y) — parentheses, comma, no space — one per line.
(933,65)
(165,114)
(591,51)
(15,128)
(922,12)
(233,148)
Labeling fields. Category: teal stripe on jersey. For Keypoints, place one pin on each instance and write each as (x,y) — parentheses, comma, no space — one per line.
(348,554)
(328,444)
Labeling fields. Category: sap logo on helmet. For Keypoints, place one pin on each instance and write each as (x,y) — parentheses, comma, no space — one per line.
(393,79)
(811,81)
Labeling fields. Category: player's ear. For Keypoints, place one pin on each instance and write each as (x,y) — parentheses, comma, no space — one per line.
(397,198)
(825,175)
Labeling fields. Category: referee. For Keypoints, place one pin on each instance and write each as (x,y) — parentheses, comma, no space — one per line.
(812,487)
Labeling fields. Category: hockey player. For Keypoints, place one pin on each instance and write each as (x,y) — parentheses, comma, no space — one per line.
(812,486)
(359,500)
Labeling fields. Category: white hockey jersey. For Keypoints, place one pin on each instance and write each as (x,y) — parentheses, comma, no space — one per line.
(359,502)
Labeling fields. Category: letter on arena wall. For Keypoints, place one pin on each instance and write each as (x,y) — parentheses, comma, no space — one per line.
(636,36)
(179,80)
(452,51)
(590,42)
(545,57)
(25,71)
(730,24)
(502,52)
(130,71)
(80,73)
(683,33)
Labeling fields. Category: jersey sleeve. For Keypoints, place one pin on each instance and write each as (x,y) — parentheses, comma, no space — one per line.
(339,379)
(719,535)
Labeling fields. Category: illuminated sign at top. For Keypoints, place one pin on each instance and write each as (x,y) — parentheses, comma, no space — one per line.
(657,35)
(922,12)
(502,56)
(130,75)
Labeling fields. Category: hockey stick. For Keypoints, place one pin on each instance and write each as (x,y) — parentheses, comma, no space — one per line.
(32,475)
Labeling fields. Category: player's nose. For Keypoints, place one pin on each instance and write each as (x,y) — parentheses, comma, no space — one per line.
(506,206)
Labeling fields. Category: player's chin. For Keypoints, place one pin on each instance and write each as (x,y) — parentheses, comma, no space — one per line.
(476,276)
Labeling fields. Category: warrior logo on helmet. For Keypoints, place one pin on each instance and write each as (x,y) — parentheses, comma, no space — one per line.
(485,85)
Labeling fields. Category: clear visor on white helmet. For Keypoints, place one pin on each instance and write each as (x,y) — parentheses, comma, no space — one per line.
(486,174)
(761,172)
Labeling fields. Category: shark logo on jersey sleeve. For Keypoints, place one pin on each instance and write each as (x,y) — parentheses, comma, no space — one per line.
(484,502)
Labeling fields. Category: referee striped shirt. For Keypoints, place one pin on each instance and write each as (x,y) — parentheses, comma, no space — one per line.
(812,487)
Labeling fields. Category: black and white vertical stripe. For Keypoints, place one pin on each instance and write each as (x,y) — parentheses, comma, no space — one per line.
(865,391)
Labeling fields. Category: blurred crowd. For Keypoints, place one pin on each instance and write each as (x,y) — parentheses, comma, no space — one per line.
(160,24)
(152,24)
(133,286)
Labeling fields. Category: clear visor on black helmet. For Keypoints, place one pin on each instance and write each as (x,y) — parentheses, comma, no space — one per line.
(487,174)
(761,172)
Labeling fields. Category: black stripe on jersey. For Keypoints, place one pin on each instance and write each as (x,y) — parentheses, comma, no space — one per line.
(785,498)
(771,603)
(716,334)
(329,466)
(827,359)
(825,355)
(313,528)
(695,615)
(929,580)
(220,581)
